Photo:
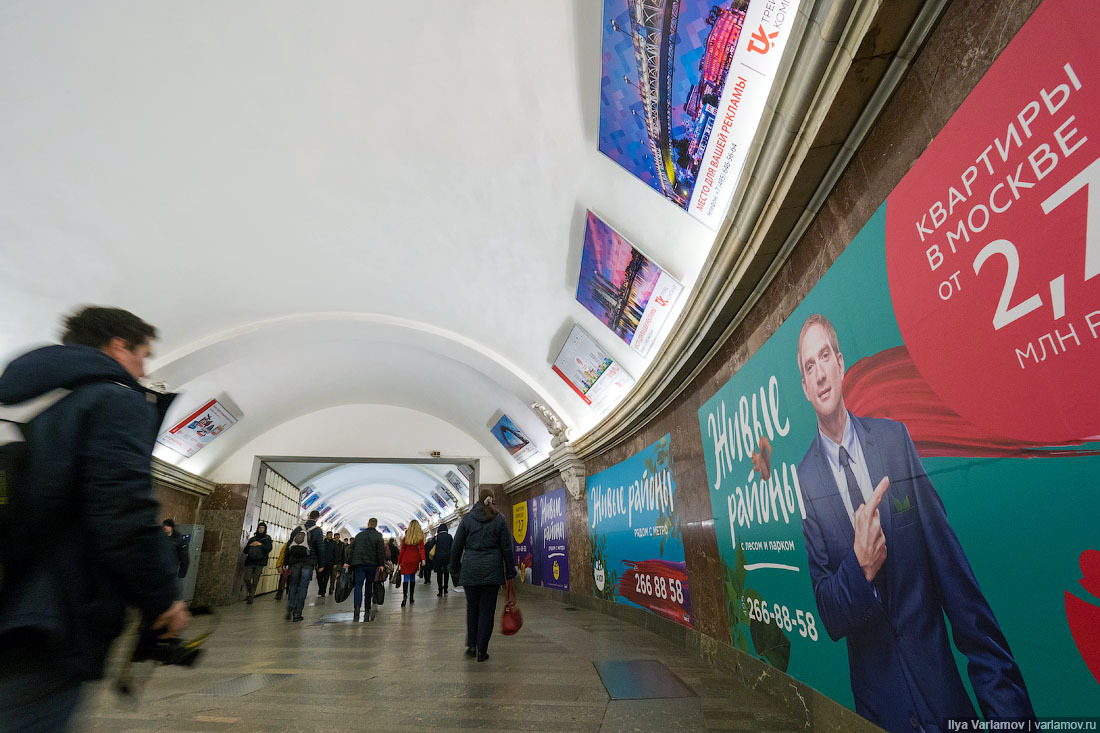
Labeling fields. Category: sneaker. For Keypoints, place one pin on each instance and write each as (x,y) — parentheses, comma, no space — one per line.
(439,594)
(482,657)
(299,618)
(471,652)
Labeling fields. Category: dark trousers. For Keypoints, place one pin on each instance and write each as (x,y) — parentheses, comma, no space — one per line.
(481,607)
(364,575)
(333,574)
(427,574)
(36,693)
(252,578)
(441,578)
(322,580)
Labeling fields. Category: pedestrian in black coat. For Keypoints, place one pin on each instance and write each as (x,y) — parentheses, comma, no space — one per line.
(256,552)
(442,559)
(483,550)
(90,463)
(179,546)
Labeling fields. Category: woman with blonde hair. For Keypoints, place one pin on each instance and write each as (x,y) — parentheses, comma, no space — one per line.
(411,559)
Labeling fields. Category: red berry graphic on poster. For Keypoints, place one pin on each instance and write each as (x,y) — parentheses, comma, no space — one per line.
(1084,617)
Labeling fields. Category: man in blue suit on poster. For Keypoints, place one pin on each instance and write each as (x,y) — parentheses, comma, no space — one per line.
(886,566)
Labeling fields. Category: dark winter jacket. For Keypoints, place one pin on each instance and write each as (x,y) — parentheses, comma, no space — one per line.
(391,548)
(182,553)
(335,552)
(91,473)
(367,548)
(483,548)
(255,556)
(443,544)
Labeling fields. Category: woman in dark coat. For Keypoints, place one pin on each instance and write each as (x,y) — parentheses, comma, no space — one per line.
(481,558)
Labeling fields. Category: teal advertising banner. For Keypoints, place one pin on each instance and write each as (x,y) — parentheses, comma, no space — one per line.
(907,513)
(634,529)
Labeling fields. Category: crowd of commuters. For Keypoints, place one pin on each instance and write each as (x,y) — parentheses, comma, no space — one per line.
(88,458)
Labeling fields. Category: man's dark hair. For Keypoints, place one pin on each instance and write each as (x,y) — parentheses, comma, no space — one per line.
(169,523)
(314,514)
(95,326)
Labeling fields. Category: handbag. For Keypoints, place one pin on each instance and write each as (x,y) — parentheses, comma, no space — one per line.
(343,586)
(511,620)
(379,593)
(396,579)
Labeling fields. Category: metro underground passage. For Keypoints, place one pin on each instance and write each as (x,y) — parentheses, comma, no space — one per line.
(356,375)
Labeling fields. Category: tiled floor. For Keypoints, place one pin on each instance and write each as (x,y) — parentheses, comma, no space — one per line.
(406,671)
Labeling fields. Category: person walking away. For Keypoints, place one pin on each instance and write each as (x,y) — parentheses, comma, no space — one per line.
(366,556)
(324,566)
(442,559)
(89,477)
(314,542)
(179,547)
(393,550)
(301,571)
(256,552)
(410,560)
(335,550)
(428,560)
(484,550)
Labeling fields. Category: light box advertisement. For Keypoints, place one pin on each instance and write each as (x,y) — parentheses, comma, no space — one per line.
(684,84)
(634,533)
(622,287)
(518,445)
(935,394)
(592,374)
(198,429)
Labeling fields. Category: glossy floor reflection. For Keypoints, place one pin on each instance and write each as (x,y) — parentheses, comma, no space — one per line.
(406,671)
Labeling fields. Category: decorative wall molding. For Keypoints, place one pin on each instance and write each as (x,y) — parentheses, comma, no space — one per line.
(176,478)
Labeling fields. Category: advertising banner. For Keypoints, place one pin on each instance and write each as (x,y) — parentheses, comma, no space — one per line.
(919,441)
(683,88)
(622,287)
(189,435)
(592,374)
(634,529)
(522,544)
(518,445)
(550,539)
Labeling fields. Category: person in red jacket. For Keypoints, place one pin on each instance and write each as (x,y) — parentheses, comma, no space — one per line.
(411,560)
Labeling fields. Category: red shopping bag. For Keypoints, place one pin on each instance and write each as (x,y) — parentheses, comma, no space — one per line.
(511,620)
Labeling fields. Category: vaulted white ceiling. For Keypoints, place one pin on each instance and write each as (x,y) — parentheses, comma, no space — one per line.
(320,204)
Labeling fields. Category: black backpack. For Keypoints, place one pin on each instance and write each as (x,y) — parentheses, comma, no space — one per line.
(16,498)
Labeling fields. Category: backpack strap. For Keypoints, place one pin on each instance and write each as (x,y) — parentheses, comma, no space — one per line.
(24,412)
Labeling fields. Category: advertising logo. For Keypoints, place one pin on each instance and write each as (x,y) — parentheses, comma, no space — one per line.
(598,575)
(557,571)
(761,41)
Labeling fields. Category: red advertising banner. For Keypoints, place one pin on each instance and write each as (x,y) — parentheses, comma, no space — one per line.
(969,232)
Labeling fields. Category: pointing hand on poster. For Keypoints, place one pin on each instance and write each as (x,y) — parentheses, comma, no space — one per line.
(870,544)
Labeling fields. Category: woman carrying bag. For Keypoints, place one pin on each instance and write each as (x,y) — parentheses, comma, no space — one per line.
(481,560)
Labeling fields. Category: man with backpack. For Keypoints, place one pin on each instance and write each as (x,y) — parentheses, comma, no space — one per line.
(85,469)
(298,586)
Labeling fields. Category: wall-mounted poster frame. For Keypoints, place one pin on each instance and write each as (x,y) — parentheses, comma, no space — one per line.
(683,88)
(591,372)
(200,428)
(623,288)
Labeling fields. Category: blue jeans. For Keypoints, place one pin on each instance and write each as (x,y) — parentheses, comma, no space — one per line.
(364,574)
(300,575)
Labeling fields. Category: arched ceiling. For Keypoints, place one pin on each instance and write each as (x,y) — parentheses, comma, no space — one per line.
(349,494)
(340,203)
